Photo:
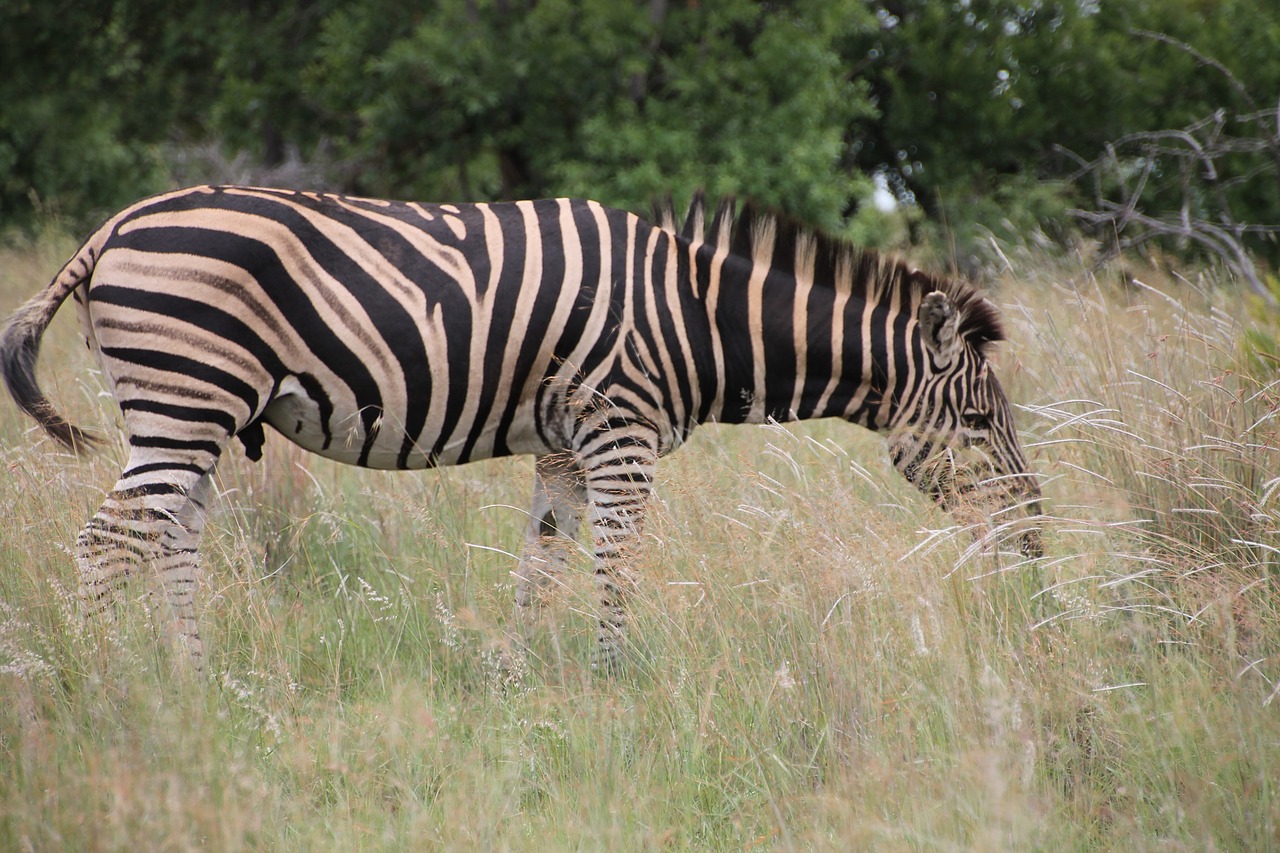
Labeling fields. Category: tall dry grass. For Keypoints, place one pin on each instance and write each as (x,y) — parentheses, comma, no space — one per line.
(1162,414)
(820,659)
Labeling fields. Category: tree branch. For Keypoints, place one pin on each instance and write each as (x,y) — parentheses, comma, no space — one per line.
(1200,58)
(1143,169)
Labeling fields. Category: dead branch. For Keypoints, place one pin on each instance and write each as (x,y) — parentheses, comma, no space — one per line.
(1170,185)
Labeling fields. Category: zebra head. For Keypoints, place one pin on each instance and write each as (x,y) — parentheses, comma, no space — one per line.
(956,439)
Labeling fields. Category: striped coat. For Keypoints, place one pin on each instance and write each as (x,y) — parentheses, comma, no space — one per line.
(406,335)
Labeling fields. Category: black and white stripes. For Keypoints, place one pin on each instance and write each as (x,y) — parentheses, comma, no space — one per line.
(403,335)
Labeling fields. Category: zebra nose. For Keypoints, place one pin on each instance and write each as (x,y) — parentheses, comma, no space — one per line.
(1032,544)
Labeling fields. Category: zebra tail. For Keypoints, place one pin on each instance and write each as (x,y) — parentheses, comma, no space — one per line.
(20,348)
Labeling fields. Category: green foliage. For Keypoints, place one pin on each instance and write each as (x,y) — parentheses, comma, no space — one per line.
(64,143)
(976,99)
(971,91)
(963,106)
(262,103)
(623,102)
(739,103)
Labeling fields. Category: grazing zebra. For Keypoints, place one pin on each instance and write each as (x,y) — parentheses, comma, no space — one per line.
(404,335)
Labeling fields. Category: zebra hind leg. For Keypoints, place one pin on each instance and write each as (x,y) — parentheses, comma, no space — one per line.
(149,525)
(559,497)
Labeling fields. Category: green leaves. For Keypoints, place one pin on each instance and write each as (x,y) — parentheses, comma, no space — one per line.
(738,103)
(962,108)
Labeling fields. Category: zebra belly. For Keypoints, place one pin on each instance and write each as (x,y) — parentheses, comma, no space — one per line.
(297,418)
(341,435)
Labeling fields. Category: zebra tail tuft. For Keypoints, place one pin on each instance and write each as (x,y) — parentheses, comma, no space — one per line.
(19,350)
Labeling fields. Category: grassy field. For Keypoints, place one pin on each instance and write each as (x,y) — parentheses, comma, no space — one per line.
(821,660)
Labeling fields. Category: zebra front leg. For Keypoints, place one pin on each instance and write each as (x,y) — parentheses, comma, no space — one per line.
(153,525)
(619,465)
(559,497)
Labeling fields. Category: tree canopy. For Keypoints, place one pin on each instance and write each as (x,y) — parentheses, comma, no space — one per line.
(969,111)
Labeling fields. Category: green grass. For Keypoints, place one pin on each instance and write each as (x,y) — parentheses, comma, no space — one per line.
(820,659)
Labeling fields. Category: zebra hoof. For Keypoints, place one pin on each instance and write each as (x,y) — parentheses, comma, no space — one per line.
(608,661)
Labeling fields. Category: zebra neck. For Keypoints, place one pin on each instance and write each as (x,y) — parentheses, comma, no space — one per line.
(785,350)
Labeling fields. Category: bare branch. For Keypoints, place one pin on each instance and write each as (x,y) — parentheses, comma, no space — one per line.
(1202,59)
(1170,184)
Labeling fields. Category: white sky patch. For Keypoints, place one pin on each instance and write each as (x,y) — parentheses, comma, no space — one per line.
(883,197)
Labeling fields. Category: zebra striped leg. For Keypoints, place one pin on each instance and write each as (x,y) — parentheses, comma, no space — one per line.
(177,564)
(151,525)
(559,496)
(619,465)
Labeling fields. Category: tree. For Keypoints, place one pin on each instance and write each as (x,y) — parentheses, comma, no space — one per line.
(962,108)
(623,101)
(63,134)
(1184,186)
(97,93)
(978,99)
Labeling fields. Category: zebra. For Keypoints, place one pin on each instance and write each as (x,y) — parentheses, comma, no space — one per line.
(400,335)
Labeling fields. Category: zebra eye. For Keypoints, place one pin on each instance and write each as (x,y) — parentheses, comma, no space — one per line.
(974,420)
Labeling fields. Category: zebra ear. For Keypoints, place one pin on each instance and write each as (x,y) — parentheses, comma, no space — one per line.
(939,327)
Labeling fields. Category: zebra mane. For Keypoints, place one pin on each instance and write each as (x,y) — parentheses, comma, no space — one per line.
(750,230)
